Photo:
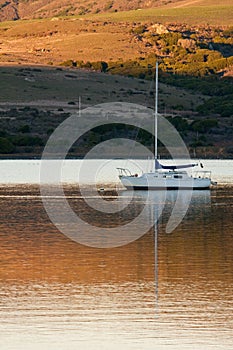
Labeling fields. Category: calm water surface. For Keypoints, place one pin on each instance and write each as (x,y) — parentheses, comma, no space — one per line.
(58,294)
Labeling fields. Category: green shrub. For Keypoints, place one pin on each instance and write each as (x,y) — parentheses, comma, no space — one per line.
(228,32)
(219,64)
(87,65)
(203,126)
(179,123)
(108,5)
(69,63)
(214,55)
(139,30)
(27,141)
(24,129)
(49,131)
(230,150)
(170,39)
(6,146)
(3,133)
(80,63)
(222,105)
(100,66)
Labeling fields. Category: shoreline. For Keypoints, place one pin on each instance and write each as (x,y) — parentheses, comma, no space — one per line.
(22,156)
(98,187)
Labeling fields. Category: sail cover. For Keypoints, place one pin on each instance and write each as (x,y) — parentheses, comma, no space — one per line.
(173,167)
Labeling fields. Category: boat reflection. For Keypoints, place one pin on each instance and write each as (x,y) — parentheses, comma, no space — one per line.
(172,206)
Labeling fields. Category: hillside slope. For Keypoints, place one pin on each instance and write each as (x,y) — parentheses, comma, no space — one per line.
(35,100)
(26,9)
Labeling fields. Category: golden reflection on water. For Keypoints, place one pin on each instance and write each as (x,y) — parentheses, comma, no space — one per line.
(56,293)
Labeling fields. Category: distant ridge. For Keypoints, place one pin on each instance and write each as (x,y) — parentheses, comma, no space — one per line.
(27,9)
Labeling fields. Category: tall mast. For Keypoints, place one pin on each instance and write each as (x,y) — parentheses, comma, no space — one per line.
(156,114)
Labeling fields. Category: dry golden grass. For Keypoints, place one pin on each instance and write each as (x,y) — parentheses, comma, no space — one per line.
(25,9)
(56,41)
(191,3)
(216,15)
(95,37)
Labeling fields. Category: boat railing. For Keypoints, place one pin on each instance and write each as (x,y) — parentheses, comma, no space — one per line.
(202,174)
(125,172)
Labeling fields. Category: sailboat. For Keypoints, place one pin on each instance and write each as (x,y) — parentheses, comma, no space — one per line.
(170,177)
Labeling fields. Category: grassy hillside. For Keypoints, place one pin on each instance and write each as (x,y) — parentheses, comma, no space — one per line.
(105,36)
(21,9)
(192,40)
(195,15)
(26,9)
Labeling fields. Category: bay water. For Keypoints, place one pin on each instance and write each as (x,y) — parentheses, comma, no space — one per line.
(160,291)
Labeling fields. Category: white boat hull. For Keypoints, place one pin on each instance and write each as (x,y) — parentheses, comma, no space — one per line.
(169,181)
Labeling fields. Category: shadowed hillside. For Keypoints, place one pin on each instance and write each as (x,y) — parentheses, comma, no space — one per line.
(35,100)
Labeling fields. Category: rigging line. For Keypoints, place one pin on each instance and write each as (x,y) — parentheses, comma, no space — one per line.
(133,146)
(147,102)
(79,106)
